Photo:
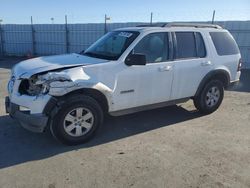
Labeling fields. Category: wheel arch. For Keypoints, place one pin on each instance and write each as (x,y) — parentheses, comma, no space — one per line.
(54,103)
(218,74)
(95,94)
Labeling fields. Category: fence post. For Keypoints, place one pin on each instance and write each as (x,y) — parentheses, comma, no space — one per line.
(33,37)
(151,18)
(105,24)
(66,34)
(1,40)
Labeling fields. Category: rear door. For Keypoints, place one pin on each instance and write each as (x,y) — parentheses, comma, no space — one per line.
(191,62)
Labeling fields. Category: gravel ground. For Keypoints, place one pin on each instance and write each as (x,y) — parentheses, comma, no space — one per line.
(168,147)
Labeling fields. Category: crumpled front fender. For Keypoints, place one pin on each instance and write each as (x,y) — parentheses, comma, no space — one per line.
(74,79)
(61,88)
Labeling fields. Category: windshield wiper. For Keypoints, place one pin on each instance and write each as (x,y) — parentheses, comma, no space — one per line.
(100,56)
(91,54)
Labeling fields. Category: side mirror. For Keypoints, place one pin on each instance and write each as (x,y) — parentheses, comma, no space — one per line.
(135,59)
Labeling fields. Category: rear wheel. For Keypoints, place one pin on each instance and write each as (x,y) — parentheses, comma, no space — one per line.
(210,98)
(77,120)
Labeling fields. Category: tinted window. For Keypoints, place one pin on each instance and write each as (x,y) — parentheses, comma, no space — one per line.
(190,44)
(224,43)
(200,46)
(185,45)
(154,46)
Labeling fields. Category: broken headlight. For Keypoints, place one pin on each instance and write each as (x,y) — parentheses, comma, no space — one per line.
(29,87)
(40,84)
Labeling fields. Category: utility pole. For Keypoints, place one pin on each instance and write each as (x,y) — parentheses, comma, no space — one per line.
(151,18)
(52,20)
(66,34)
(213,17)
(105,23)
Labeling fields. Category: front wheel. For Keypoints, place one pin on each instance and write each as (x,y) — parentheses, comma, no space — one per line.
(77,120)
(210,98)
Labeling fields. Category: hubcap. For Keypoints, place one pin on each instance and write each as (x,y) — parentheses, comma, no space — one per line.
(212,96)
(78,121)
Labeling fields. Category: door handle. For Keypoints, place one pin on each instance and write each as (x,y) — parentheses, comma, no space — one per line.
(165,68)
(206,63)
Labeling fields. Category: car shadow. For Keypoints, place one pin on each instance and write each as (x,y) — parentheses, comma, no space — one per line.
(20,146)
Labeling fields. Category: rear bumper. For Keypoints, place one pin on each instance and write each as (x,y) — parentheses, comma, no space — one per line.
(235,81)
(32,122)
(237,78)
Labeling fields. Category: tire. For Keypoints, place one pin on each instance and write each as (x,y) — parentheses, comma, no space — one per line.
(77,120)
(210,98)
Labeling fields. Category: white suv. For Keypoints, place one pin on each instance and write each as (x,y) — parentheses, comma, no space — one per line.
(125,71)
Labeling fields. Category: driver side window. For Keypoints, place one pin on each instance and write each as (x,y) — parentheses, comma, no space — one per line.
(154,46)
(112,45)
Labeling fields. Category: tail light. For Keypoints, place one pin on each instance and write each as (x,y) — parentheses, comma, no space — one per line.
(239,65)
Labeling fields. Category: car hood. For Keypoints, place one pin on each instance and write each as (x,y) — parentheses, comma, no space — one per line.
(27,68)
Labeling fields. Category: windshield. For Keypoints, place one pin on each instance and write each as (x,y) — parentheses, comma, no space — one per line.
(112,45)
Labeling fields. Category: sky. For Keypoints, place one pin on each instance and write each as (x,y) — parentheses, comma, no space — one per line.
(93,11)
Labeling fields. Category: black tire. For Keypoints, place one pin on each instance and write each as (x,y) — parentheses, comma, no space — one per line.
(66,106)
(200,101)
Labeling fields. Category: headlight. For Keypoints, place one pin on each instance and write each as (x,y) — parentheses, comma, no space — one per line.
(11,84)
(29,87)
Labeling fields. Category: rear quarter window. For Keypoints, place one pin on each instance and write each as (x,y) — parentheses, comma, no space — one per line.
(224,43)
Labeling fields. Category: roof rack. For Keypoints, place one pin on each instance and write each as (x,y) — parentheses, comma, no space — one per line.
(196,25)
(181,24)
(152,25)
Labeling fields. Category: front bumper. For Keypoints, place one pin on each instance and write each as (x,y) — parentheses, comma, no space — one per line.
(32,122)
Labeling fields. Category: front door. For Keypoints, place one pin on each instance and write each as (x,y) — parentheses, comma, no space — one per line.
(140,85)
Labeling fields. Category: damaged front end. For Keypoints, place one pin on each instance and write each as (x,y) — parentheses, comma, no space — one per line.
(40,84)
(35,85)
(29,101)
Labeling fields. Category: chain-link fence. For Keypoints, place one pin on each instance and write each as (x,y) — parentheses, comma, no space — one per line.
(46,39)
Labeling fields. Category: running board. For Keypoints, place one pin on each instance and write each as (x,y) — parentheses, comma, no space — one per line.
(148,107)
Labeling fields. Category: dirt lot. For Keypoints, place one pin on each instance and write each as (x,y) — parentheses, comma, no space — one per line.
(168,147)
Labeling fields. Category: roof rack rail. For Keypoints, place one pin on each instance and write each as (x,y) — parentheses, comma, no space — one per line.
(181,24)
(197,25)
(152,25)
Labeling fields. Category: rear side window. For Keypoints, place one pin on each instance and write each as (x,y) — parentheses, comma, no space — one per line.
(224,43)
(185,45)
(189,45)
